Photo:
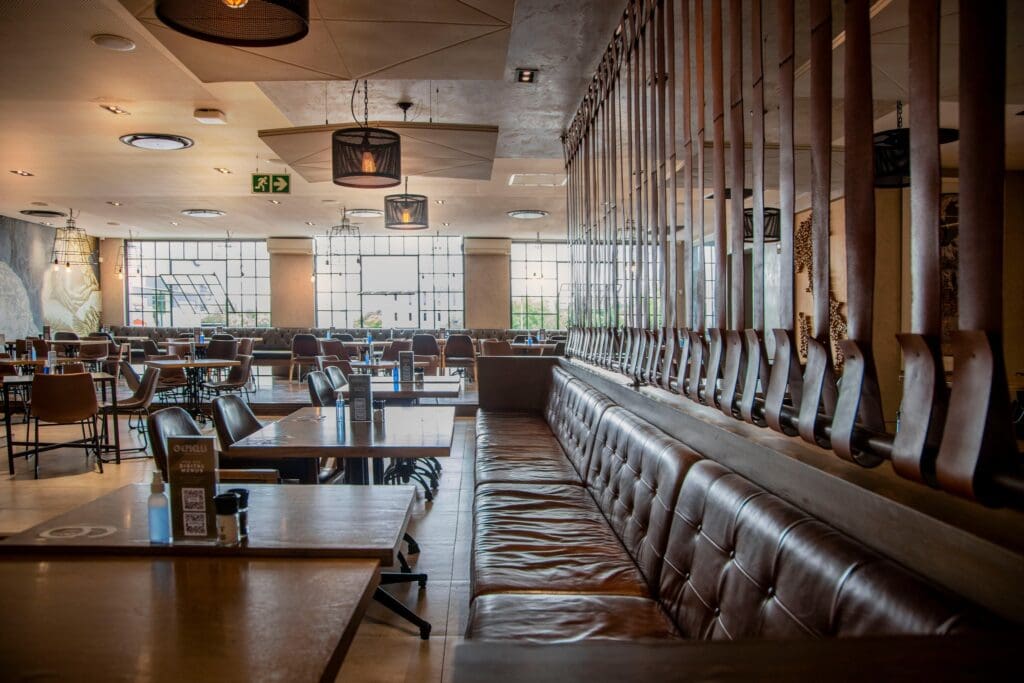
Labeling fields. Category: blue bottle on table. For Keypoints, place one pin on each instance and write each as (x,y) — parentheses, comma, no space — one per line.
(394,377)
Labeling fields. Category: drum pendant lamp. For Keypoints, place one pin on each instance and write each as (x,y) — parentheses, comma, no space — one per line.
(242,23)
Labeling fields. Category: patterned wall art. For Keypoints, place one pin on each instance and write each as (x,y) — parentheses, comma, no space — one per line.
(33,294)
(837,325)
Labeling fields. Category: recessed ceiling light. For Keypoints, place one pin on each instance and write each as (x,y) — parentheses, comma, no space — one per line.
(156,141)
(23,173)
(203,213)
(446,224)
(114,203)
(274,201)
(526,75)
(43,213)
(310,223)
(109,41)
(114,109)
(439,201)
(39,204)
(221,169)
(364,213)
(527,214)
(113,223)
(175,223)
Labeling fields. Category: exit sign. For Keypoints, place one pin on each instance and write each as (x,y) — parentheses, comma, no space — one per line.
(268,183)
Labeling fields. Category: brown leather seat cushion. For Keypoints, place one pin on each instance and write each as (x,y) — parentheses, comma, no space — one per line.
(742,563)
(547,538)
(519,448)
(551,618)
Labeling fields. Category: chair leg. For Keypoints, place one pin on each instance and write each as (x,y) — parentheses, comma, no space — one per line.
(393,604)
(96,441)
(35,456)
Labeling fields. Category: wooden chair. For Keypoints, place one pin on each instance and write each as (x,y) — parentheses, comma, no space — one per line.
(66,400)
(394,348)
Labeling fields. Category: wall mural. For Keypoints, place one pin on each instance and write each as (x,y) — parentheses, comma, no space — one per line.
(32,294)
(802,250)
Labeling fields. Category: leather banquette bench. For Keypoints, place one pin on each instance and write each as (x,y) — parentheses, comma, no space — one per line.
(590,523)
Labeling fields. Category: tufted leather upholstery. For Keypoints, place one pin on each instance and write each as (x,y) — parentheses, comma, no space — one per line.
(634,475)
(659,542)
(549,538)
(743,563)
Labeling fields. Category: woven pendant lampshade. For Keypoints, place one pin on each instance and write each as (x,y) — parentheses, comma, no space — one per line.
(771,225)
(892,152)
(71,247)
(243,23)
(366,157)
(405,211)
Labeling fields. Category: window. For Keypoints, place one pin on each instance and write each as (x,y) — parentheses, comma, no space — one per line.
(540,285)
(709,283)
(378,281)
(188,284)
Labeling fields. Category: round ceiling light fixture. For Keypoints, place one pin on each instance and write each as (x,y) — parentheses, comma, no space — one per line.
(364,213)
(43,213)
(527,214)
(157,141)
(109,41)
(202,213)
(242,23)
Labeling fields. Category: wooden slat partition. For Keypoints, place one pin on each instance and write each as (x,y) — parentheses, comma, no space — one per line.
(638,233)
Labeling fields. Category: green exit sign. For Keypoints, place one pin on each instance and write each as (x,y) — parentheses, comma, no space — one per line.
(271,183)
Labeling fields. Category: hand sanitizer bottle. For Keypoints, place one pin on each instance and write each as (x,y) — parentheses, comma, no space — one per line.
(159,512)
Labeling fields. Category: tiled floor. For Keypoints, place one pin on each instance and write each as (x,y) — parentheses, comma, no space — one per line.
(385,648)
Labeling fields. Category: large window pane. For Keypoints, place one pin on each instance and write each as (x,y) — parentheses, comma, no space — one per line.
(539,272)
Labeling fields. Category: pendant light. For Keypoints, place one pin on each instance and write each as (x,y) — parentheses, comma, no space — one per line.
(771,225)
(405,211)
(892,152)
(243,23)
(71,246)
(366,157)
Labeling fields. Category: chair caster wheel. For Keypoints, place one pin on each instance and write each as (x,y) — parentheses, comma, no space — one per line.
(425,632)
(423,582)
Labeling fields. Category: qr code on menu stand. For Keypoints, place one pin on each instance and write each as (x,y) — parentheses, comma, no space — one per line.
(195,524)
(193,499)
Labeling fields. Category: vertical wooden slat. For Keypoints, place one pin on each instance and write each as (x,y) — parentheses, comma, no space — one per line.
(819,383)
(757,363)
(860,401)
(978,442)
(671,194)
(690,284)
(923,406)
(718,166)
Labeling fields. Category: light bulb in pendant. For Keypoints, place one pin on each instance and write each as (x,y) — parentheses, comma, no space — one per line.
(56,266)
(235,4)
(120,275)
(67,267)
(369,164)
(406,216)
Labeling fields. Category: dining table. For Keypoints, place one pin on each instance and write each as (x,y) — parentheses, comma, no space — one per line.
(387,389)
(195,370)
(103,379)
(179,618)
(407,433)
(382,365)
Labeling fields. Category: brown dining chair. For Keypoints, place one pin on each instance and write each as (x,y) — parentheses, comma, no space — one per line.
(66,349)
(171,379)
(93,355)
(66,400)
(333,347)
(136,406)
(321,391)
(336,376)
(396,347)
(222,349)
(71,368)
(305,348)
(323,361)
(425,345)
(162,425)
(234,420)
(236,381)
(178,349)
(459,353)
(245,346)
(497,348)
(150,348)
(42,348)
(7,368)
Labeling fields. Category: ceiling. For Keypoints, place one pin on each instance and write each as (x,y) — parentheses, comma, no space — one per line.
(453,59)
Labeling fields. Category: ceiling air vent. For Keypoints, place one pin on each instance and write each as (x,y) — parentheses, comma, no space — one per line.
(537,180)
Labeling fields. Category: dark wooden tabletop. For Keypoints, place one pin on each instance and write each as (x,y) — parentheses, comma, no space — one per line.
(389,389)
(365,522)
(192,363)
(900,658)
(180,618)
(27,379)
(408,432)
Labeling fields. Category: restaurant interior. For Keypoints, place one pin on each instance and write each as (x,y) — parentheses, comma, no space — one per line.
(476,340)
